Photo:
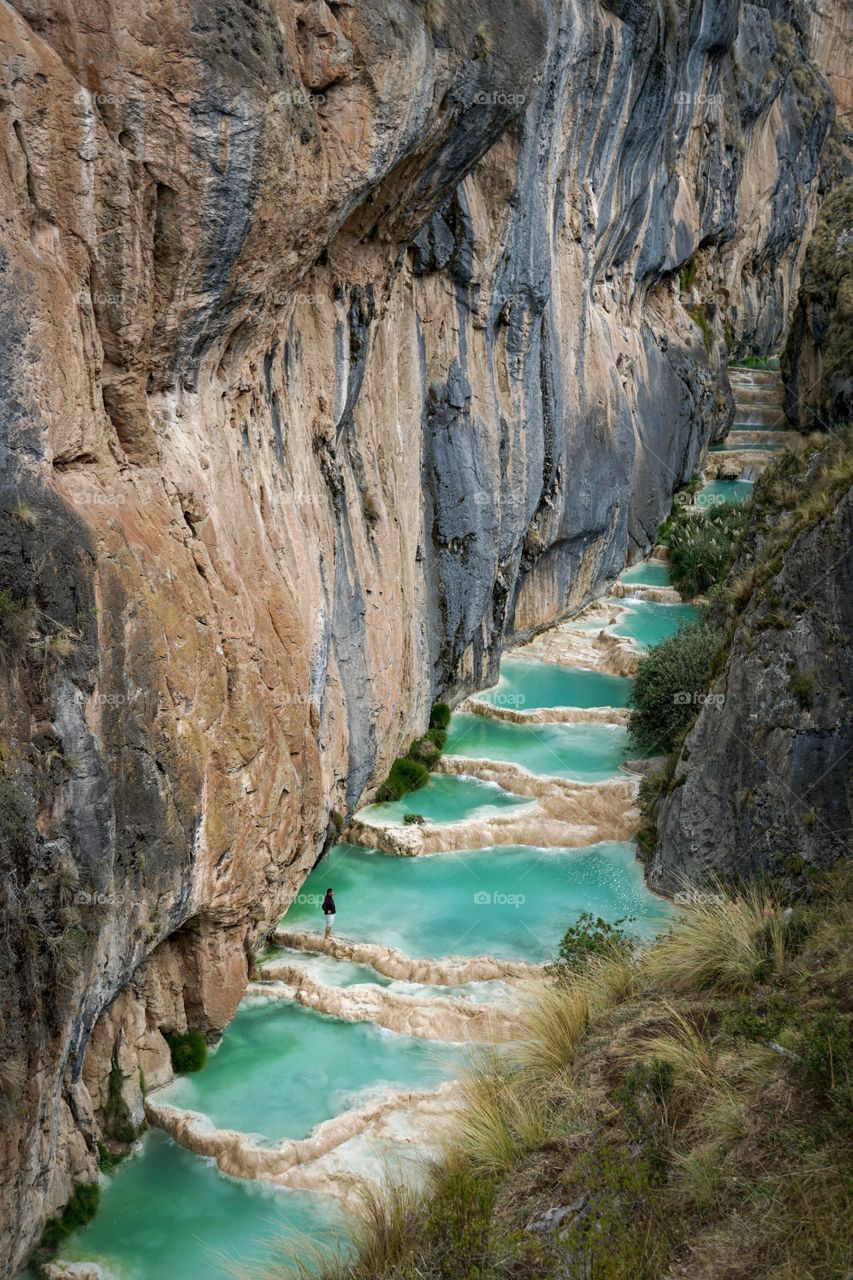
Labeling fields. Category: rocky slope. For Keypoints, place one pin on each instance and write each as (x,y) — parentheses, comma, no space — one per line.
(339,343)
(763,782)
(818,357)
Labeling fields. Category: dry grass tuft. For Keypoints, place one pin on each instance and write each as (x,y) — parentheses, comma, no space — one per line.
(723,945)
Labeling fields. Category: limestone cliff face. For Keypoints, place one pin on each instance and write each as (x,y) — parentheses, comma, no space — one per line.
(340,342)
(763,783)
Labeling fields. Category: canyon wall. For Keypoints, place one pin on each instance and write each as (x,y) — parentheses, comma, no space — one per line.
(763,784)
(340,344)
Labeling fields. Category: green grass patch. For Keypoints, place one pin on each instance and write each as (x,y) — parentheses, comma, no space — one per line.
(411,771)
(80,1209)
(802,687)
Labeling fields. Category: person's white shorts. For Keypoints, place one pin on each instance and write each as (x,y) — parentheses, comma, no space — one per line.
(330,920)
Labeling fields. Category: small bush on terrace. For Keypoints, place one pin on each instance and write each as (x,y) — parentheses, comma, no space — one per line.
(406,775)
(590,936)
(440,716)
(189,1052)
(671,679)
(412,770)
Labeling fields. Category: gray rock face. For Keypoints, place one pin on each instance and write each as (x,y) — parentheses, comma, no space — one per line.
(764,782)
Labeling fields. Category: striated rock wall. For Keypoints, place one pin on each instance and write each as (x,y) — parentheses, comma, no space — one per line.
(763,782)
(339,344)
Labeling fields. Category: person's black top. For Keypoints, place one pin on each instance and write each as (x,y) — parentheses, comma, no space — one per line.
(328,905)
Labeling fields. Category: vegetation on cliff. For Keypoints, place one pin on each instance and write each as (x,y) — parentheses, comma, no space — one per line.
(411,771)
(669,684)
(702,544)
(683,1110)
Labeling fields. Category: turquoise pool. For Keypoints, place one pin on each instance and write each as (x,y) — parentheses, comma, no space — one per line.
(583,752)
(511,901)
(526,685)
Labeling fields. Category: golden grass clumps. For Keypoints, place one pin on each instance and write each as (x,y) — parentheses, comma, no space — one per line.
(724,944)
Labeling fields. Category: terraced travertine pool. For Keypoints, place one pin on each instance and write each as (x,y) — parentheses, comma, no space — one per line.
(650,573)
(719,491)
(582,752)
(646,623)
(511,901)
(526,685)
(446,799)
(169,1215)
(281,1070)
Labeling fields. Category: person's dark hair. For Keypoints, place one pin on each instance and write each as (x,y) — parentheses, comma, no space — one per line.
(330,891)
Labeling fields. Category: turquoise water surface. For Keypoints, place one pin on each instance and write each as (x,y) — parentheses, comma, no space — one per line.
(649,623)
(724,491)
(736,448)
(169,1215)
(509,901)
(583,752)
(446,799)
(281,1069)
(526,685)
(651,573)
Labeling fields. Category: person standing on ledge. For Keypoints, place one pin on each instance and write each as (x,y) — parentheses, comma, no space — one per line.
(329,912)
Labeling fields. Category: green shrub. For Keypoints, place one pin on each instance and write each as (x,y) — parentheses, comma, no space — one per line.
(755,362)
(668,686)
(109,1160)
(802,688)
(459,1224)
(591,936)
(413,819)
(440,716)
(826,1051)
(406,775)
(81,1208)
(189,1052)
(702,545)
(438,737)
(425,751)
